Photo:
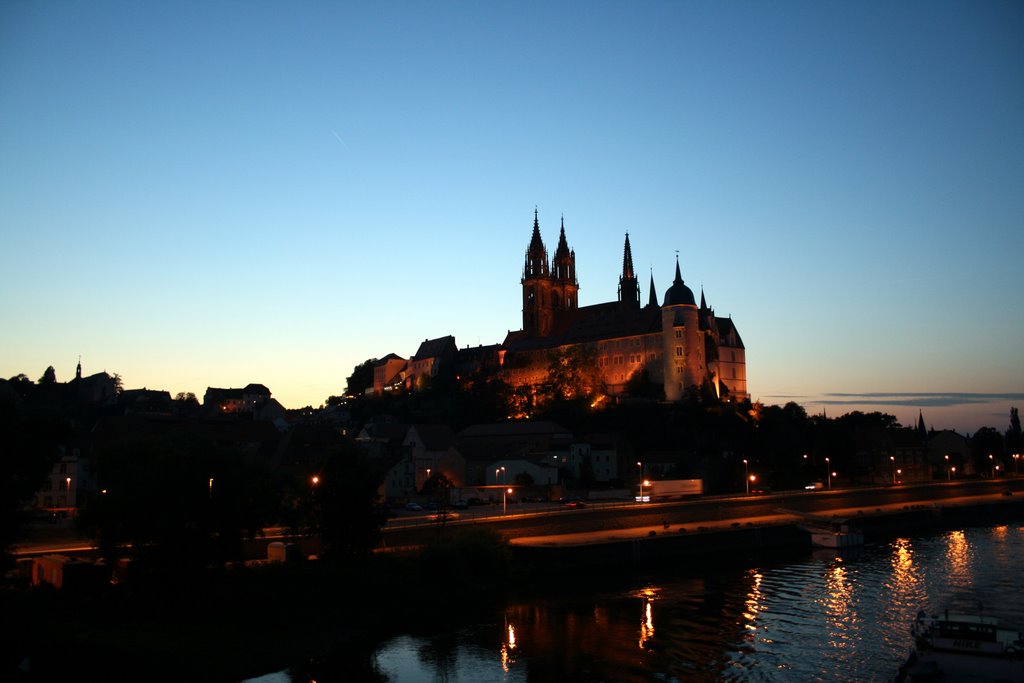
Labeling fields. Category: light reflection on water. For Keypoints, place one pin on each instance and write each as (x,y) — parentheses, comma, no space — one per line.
(809,616)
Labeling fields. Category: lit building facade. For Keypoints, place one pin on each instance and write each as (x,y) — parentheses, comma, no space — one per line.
(678,344)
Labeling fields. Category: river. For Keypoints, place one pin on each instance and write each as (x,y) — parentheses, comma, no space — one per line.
(794,616)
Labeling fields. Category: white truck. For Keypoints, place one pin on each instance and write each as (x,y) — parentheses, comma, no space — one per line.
(669,488)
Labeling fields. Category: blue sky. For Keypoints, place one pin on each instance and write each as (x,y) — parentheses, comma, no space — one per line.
(210,194)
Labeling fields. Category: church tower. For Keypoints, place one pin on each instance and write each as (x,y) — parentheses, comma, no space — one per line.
(536,281)
(682,341)
(629,289)
(563,276)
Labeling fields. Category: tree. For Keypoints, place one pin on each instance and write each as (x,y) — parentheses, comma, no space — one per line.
(573,374)
(347,510)
(49,376)
(179,498)
(361,378)
(29,447)
(1014,440)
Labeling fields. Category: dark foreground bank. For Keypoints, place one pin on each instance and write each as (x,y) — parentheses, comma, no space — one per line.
(246,621)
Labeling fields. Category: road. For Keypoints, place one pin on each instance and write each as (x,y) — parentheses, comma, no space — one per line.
(614,518)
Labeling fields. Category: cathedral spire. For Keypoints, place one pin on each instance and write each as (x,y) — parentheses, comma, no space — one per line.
(652,296)
(629,289)
(627,260)
(536,253)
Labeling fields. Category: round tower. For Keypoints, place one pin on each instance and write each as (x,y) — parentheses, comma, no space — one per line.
(683,346)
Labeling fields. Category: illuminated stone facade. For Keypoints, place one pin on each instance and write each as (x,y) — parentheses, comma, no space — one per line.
(679,344)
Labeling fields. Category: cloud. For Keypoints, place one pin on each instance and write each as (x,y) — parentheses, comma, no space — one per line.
(916,400)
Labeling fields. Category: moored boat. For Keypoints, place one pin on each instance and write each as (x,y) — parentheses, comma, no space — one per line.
(962,647)
(832,533)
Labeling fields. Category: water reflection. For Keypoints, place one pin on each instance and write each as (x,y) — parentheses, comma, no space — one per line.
(508,647)
(800,617)
(958,560)
(839,603)
(753,602)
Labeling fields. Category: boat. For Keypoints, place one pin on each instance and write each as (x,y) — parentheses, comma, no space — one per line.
(963,647)
(832,533)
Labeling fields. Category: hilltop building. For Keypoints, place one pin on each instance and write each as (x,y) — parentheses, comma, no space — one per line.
(677,343)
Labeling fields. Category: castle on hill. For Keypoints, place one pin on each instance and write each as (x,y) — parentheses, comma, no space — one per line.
(677,344)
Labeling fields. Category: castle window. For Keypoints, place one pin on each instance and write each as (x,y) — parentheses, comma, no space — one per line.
(679,350)
(679,334)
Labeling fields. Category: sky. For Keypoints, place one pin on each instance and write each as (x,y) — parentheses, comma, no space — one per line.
(200,194)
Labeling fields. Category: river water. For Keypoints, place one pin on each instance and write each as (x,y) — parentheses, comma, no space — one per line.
(796,616)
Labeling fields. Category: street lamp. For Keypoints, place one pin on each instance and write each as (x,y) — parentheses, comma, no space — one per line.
(828,474)
(892,459)
(949,476)
(992,466)
(953,469)
(67,498)
(1016,461)
(315,480)
(746,475)
(900,472)
(211,487)
(503,503)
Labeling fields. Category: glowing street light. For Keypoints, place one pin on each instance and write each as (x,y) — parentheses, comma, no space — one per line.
(949,475)
(1016,462)
(746,474)
(953,469)
(315,480)
(828,473)
(892,459)
(503,503)
(643,483)
(68,496)
(992,466)
(211,487)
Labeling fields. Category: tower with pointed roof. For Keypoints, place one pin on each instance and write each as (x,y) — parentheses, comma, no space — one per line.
(683,358)
(629,288)
(565,288)
(536,283)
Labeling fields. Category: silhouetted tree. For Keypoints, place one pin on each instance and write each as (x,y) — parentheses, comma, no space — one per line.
(29,447)
(178,498)
(49,376)
(348,512)
(1014,440)
(985,442)
(361,378)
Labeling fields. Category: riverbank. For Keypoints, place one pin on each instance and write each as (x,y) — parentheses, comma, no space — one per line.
(640,546)
(246,621)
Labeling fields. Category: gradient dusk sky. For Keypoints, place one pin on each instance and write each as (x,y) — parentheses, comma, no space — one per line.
(200,194)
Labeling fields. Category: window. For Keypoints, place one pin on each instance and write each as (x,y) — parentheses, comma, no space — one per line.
(679,334)
(679,351)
